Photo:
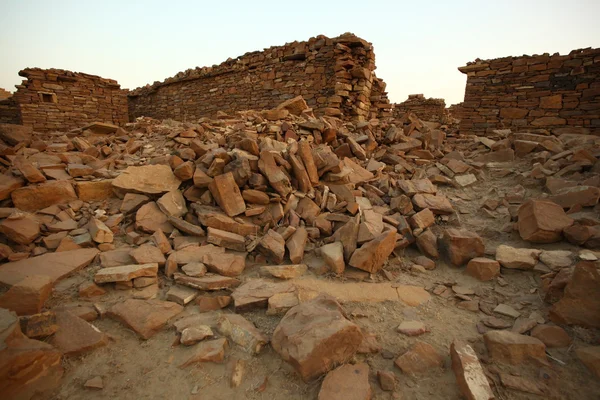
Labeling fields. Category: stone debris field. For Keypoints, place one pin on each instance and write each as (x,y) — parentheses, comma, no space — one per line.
(275,228)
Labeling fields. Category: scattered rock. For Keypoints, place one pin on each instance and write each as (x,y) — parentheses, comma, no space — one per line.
(510,257)
(471,378)
(347,382)
(421,358)
(513,348)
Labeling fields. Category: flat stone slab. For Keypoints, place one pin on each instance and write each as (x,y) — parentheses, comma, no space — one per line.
(365,292)
(147,179)
(145,317)
(53,265)
(126,273)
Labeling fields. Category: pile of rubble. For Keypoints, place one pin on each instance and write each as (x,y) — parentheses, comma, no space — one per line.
(234,213)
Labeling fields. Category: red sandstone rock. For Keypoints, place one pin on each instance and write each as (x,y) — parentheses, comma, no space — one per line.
(551,335)
(28,295)
(227,194)
(348,382)
(76,336)
(372,255)
(580,304)
(590,357)
(147,179)
(145,317)
(483,269)
(314,336)
(208,351)
(421,358)
(22,229)
(513,348)
(461,245)
(36,197)
(510,257)
(470,377)
(542,221)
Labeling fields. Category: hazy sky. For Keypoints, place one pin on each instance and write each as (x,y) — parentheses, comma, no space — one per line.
(418,44)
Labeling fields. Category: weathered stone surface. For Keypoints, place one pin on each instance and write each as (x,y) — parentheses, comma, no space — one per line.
(172,204)
(21,230)
(194,269)
(333,255)
(584,196)
(421,358)
(27,296)
(147,179)
(590,357)
(580,304)
(422,220)
(117,257)
(370,227)
(460,246)
(280,303)
(372,255)
(513,348)
(314,336)
(471,379)
(145,317)
(285,271)
(13,134)
(242,332)
(412,328)
(276,177)
(148,254)
(256,293)
(510,257)
(438,204)
(542,221)
(76,336)
(227,194)
(556,259)
(36,197)
(208,351)
(99,232)
(272,245)
(483,269)
(348,382)
(149,219)
(387,380)
(427,243)
(296,244)
(53,265)
(28,368)
(225,264)
(181,294)
(207,282)
(8,184)
(94,190)
(125,273)
(195,334)
(551,335)
(132,202)
(348,234)
(210,303)
(229,240)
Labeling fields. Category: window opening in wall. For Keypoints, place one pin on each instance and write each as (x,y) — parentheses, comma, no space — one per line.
(47,97)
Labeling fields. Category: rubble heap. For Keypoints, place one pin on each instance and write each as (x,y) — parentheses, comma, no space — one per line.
(278,215)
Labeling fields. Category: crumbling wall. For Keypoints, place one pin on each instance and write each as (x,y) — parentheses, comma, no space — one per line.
(335,77)
(56,99)
(4,94)
(9,110)
(426,109)
(541,92)
(456,110)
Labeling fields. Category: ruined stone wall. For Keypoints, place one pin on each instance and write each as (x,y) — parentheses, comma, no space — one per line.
(55,99)
(335,77)
(9,111)
(456,110)
(426,109)
(4,94)
(549,92)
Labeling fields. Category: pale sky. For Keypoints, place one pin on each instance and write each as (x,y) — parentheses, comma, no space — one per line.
(418,44)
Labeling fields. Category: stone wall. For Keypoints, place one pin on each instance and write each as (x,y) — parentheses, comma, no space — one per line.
(554,93)
(9,111)
(56,99)
(456,110)
(426,109)
(4,94)
(335,76)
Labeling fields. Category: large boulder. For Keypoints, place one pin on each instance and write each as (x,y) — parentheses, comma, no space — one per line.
(315,336)
(460,246)
(542,221)
(580,304)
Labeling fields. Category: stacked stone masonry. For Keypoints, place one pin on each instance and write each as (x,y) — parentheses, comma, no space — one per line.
(55,99)
(335,76)
(426,109)
(9,111)
(556,93)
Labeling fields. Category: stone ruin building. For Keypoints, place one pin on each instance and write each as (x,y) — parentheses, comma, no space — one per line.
(427,109)
(557,93)
(55,100)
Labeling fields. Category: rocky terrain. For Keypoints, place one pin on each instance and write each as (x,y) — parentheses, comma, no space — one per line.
(273,254)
